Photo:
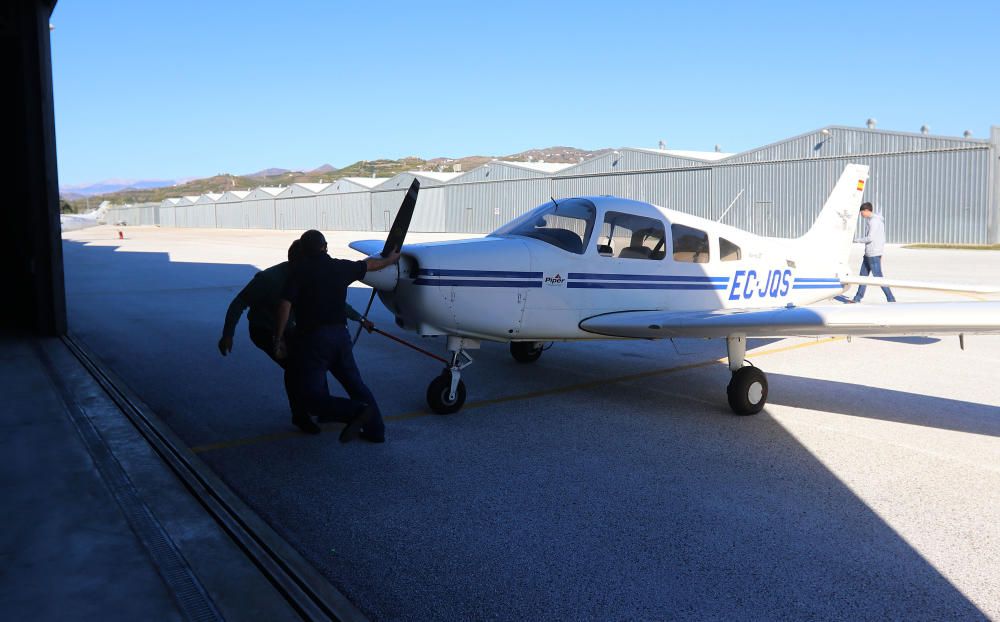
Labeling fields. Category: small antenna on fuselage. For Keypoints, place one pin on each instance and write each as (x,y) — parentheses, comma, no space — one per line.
(554,200)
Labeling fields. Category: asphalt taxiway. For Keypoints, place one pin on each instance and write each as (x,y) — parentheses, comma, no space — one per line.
(606,480)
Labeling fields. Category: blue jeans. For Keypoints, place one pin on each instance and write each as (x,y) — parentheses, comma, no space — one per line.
(873,266)
(329,348)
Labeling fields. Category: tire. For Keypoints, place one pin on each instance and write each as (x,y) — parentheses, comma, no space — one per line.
(525,351)
(747,391)
(437,395)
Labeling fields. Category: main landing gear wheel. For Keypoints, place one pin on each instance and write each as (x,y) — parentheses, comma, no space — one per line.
(525,351)
(439,395)
(747,391)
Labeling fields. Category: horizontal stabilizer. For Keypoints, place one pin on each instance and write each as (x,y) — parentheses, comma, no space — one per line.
(888,320)
(369,247)
(944,287)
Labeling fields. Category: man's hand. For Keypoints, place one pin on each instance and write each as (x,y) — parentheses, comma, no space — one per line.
(367,324)
(375,262)
(280,349)
(225,345)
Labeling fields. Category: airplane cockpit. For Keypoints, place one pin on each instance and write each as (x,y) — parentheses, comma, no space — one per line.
(568,224)
(629,236)
(564,224)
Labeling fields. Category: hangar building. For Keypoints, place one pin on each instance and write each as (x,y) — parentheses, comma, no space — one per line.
(935,189)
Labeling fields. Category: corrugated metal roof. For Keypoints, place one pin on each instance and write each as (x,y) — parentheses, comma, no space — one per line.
(427,178)
(838,140)
(542,167)
(367,182)
(237,195)
(708,156)
(312,187)
(441,177)
(271,190)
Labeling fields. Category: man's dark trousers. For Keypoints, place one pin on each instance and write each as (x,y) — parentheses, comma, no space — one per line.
(328,348)
(264,339)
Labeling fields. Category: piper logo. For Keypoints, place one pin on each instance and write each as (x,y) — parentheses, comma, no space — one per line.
(556,280)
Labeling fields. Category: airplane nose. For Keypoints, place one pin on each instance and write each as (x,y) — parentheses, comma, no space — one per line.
(386,279)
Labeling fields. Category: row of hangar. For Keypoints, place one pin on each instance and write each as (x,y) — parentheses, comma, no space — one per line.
(931,189)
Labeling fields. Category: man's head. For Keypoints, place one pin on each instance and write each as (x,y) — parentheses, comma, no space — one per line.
(295,253)
(313,243)
(866,209)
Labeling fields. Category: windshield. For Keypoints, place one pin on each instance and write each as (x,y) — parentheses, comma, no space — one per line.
(566,224)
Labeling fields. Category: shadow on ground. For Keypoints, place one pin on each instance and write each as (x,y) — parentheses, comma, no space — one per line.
(611,502)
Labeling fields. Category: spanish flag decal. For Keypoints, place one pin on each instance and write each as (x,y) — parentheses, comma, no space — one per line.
(861,184)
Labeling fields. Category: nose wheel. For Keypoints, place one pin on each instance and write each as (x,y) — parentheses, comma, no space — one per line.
(446,393)
(440,398)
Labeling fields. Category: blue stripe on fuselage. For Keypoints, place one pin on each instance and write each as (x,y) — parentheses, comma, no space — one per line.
(502,274)
(475,283)
(590,276)
(585,285)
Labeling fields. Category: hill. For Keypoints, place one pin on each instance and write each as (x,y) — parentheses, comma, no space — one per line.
(325,173)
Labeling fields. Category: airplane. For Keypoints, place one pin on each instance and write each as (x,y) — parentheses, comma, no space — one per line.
(602,267)
(72,222)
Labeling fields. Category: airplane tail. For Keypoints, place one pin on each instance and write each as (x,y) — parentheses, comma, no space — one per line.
(831,234)
(102,210)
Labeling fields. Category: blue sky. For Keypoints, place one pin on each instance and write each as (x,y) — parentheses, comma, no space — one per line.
(158,90)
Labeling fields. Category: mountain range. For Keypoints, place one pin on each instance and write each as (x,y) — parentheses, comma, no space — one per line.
(120,191)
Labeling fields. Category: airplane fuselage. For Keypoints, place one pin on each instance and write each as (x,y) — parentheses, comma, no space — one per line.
(538,282)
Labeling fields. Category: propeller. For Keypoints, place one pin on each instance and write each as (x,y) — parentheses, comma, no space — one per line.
(397,233)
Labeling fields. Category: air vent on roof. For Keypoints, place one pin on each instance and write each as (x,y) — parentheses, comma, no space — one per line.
(870,123)
(967,133)
(924,129)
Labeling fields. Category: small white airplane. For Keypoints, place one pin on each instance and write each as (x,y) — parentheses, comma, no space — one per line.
(603,267)
(72,222)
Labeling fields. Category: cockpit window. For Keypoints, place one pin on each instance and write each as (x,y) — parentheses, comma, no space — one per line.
(566,224)
(729,251)
(690,244)
(628,236)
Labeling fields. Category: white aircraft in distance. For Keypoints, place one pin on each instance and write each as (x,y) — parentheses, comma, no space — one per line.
(603,267)
(72,222)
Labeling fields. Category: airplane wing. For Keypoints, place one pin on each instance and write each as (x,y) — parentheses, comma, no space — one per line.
(947,287)
(369,247)
(898,319)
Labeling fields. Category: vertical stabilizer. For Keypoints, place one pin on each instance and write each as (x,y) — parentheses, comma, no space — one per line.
(831,235)
(102,210)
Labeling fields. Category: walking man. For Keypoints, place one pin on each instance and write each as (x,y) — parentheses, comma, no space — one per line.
(874,241)
(317,292)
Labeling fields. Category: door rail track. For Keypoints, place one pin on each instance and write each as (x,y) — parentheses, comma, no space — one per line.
(305,589)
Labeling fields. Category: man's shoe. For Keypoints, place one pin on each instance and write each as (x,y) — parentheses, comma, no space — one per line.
(307,425)
(373,438)
(353,427)
(852,301)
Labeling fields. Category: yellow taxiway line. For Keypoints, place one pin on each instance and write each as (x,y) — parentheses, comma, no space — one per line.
(253,440)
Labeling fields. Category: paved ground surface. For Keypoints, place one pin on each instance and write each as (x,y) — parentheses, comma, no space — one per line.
(605,481)
(96,526)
